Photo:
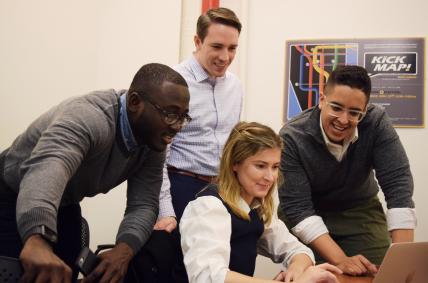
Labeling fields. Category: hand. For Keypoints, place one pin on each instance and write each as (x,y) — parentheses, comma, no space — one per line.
(168,224)
(319,274)
(356,265)
(299,263)
(41,264)
(113,266)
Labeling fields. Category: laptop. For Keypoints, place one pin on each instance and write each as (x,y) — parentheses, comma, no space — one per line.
(404,263)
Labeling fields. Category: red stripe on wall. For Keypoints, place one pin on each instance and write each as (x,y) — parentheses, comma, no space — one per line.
(209,4)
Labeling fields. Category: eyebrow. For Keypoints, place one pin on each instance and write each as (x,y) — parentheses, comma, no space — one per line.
(264,162)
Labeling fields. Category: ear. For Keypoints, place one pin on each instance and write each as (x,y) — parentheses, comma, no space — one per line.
(198,42)
(322,100)
(134,102)
(235,167)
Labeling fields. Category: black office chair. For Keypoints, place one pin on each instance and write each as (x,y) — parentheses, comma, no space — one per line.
(10,269)
(85,233)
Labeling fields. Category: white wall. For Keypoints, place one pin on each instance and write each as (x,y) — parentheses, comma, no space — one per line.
(51,50)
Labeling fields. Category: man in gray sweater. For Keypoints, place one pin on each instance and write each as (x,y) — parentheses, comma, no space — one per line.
(332,154)
(82,147)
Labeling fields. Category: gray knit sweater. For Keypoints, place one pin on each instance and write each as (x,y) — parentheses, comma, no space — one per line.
(315,180)
(74,151)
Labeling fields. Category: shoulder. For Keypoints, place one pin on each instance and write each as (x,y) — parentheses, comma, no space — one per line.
(184,68)
(209,190)
(375,117)
(205,206)
(95,113)
(304,123)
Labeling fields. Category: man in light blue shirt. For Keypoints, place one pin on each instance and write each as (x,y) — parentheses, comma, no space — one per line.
(215,107)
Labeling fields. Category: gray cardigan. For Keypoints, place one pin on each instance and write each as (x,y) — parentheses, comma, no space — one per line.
(315,180)
(74,151)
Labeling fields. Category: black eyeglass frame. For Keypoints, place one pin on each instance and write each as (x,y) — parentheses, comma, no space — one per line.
(170,118)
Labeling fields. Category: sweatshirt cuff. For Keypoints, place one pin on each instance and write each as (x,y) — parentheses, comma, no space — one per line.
(309,229)
(166,209)
(29,222)
(132,241)
(401,218)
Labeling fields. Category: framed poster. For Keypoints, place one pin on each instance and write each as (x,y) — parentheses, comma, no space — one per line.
(395,66)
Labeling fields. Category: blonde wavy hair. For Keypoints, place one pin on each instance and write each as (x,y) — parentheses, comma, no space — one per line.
(246,140)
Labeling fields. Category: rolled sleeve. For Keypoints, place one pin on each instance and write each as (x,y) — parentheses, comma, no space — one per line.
(401,218)
(310,229)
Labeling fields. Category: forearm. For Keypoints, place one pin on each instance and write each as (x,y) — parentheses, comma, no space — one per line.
(327,248)
(402,235)
(300,261)
(235,277)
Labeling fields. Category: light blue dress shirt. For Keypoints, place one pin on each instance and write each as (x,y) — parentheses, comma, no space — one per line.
(215,107)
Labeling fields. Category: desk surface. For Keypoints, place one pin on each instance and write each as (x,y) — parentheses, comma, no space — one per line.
(354,279)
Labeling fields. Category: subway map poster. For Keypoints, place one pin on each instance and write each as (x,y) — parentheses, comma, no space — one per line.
(395,66)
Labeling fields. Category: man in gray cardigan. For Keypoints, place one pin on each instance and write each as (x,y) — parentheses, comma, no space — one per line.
(82,147)
(332,154)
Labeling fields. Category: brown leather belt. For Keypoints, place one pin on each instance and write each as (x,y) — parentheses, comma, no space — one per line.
(205,178)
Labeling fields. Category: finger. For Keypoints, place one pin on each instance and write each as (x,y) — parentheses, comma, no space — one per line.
(370,266)
(330,267)
(289,276)
(107,276)
(159,226)
(330,278)
(170,227)
(116,278)
(357,261)
(95,274)
(280,276)
(43,277)
(68,273)
(27,277)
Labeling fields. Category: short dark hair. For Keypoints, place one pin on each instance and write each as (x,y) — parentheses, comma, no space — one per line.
(218,15)
(353,76)
(151,76)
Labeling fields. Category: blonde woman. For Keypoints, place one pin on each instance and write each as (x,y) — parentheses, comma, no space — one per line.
(228,224)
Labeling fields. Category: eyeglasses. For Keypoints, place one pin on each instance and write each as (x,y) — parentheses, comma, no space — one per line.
(353,115)
(171,118)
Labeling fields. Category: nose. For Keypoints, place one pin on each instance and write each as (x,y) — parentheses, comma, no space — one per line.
(343,117)
(177,126)
(270,175)
(224,55)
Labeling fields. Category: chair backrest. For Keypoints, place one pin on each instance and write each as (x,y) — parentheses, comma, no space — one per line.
(85,233)
(10,269)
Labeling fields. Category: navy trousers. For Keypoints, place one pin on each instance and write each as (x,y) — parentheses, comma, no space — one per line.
(183,190)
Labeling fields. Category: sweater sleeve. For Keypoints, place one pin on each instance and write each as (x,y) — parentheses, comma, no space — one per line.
(295,192)
(392,166)
(392,170)
(59,151)
(142,205)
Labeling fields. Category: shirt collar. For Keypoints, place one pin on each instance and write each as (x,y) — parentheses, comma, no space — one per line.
(125,127)
(350,140)
(200,73)
(247,208)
